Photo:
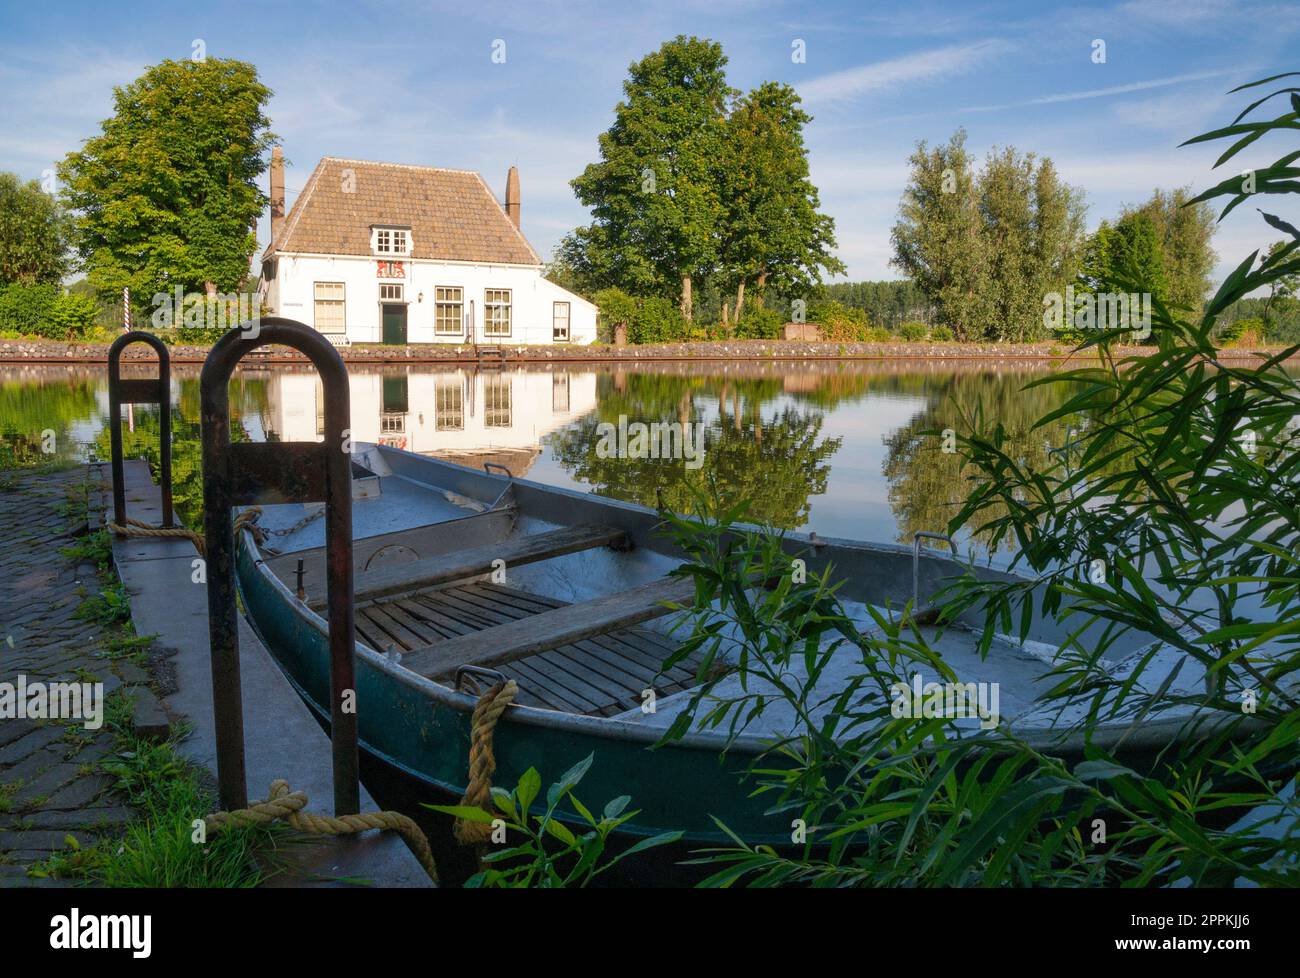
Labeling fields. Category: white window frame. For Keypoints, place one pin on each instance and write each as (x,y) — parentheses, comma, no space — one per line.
(390,241)
(439,301)
(389,286)
(568,314)
(492,309)
(341,302)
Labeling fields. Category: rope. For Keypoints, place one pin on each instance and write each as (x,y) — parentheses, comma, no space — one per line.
(288,805)
(135,528)
(482,762)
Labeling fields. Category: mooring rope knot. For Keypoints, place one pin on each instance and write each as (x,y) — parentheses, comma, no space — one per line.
(135,528)
(247,520)
(482,761)
(288,806)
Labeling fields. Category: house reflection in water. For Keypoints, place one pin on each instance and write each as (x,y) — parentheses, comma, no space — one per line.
(463,416)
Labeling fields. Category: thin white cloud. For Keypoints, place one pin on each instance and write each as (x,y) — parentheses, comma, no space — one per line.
(923,66)
(1106,92)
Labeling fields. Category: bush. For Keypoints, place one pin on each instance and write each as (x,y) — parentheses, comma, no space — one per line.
(941,334)
(72,316)
(838,322)
(760,323)
(877,334)
(913,332)
(1244,332)
(25,309)
(649,320)
(43,310)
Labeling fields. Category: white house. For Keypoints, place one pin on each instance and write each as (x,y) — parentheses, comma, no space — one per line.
(390,253)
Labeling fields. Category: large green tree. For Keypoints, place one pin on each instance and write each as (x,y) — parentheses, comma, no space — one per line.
(1128,251)
(168,193)
(772,229)
(34,233)
(987,245)
(937,240)
(1184,231)
(654,196)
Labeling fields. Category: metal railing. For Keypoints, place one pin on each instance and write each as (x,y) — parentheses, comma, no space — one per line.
(249,473)
(149,391)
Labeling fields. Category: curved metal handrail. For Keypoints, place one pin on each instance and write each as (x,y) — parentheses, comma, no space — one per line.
(247,473)
(157,391)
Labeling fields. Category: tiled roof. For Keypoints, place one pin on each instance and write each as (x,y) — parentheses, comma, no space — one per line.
(451,213)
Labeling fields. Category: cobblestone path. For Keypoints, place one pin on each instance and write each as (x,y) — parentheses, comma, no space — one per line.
(50,786)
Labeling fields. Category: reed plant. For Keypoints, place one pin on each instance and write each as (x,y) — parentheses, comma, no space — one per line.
(1168,522)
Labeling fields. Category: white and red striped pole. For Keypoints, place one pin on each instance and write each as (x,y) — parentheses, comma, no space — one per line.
(126,328)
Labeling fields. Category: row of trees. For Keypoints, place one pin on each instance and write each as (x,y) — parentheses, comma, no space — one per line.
(985,244)
(698,181)
(166,195)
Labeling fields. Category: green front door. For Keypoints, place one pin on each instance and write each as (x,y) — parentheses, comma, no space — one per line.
(394,325)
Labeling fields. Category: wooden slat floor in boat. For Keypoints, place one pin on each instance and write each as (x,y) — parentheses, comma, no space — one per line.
(599,676)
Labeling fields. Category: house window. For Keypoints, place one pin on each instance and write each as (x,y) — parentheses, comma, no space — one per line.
(392,241)
(560,322)
(390,293)
(496,403)
(320,408)
(560,393)
(329,307)
(448,311)
(496,312)
(448,406)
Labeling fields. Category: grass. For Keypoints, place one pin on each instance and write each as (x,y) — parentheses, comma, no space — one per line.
(164,847)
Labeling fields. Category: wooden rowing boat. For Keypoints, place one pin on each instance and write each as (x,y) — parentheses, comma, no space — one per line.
(581,623)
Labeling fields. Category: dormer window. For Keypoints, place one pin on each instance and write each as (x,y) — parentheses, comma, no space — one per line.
(390,240)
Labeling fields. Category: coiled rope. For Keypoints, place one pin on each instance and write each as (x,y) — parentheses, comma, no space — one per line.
(482,761)
(288,806)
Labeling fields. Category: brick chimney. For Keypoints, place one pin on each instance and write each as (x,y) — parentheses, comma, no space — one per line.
(512,195)
(277,191)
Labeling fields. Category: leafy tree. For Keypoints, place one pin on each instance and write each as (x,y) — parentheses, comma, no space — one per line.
(938,241)
(168,193)
(654,194)
(771,228)
(987,246)
(1281,290)
(35,233)
(1184,230)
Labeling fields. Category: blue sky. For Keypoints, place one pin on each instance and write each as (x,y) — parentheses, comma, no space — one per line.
(416,83)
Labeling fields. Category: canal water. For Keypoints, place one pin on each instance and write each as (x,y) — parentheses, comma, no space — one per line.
(845,449)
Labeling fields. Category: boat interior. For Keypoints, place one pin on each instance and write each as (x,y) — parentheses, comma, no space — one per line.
(567,594)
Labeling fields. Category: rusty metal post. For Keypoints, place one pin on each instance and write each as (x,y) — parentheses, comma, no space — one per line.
(248,473)
(158,391)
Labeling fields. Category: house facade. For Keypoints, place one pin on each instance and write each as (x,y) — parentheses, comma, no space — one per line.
(396,254)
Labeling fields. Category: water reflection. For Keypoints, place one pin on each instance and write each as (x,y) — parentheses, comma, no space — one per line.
(835,447)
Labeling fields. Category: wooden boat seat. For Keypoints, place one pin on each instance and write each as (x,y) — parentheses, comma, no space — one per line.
(446,568)
(598,664)
(559,626)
